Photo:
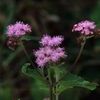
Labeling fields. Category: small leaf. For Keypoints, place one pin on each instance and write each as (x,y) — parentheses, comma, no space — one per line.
(59,69)
(39,81)
(28,38)
(24,67)
(34,73)
(72,81)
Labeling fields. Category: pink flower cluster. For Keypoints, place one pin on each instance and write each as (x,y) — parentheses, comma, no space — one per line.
(51,41)
(50,51)
(18,29)
(84,27)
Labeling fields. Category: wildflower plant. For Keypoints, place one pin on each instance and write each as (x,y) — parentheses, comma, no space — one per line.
(86,30)
(51,72)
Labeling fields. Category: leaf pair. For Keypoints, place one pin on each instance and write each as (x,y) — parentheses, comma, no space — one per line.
(69,81)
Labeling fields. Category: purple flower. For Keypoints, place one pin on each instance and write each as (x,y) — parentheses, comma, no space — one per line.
(18,29)
(84,27)
(49,52)
(57,54)
(56,40)
(51,41)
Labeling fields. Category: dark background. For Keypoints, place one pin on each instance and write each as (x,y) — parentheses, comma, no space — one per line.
(55,17)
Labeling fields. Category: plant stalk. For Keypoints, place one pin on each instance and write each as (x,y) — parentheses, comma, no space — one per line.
(76,60)
(51,92)
(56,79)
(78,56)
(50,84)
(22,45)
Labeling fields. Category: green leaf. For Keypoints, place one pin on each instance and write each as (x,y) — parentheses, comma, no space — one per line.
(24,68)
(31,72)
(72,81)
(39,81)
(59,69)
(28,38)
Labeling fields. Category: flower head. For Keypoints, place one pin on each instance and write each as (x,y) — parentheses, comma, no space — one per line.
(18,29)
(50,52)
(51,41)
(84,27)
(47,55)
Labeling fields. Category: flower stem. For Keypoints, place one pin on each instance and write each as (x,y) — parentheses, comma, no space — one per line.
(22,45)
(76,60)
(57,97)
(51,92)
(79,55)
(50,84)
(80,52)
(57,79)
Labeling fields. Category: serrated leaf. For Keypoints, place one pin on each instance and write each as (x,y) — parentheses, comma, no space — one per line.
(72,81)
